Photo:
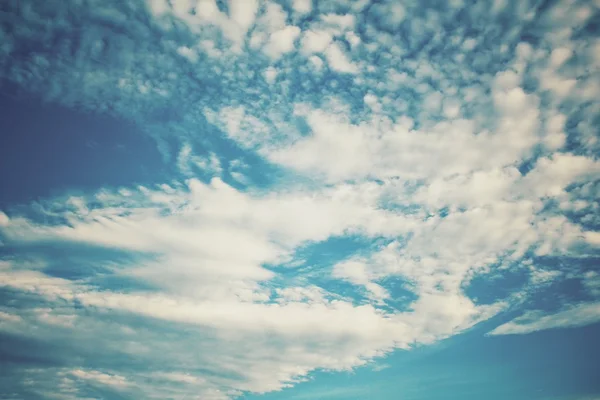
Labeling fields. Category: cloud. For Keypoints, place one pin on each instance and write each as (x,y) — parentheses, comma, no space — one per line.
(356,273)
(7,318)
(389,14)
(316,41)
(270,74)
(190,228)
(100,377)
(302,6)
(533,321)
(243,12)
(273,344)
(378,148)
(282,41)
(187,162)
(338,61)
(3,219)
(451,158)
(167,222)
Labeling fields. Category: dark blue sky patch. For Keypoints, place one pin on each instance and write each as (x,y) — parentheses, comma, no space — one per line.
(400,291)
(68,150)
(325,254)
(572,266)
(558,295)
(17,350)
(489,288)
(76,261)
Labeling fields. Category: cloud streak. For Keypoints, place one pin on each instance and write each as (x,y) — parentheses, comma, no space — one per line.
(533,321)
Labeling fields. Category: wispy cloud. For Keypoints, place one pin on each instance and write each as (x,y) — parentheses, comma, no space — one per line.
(533,321)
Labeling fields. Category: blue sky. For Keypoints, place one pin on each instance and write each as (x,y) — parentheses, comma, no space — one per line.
(299,199)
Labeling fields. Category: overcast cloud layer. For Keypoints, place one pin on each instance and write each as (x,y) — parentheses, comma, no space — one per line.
(452,145)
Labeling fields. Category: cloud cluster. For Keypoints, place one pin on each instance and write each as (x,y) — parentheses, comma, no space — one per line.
(213,280)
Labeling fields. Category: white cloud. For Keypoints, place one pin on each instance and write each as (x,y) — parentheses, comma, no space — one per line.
(100,377)
(338,60)
(208,285)
(8,318)
(4,220)
(186,161)
(317,62)
(560,55)
(469,44)
(198,14)
(273,344)
(282,41)
(210,164)
(274,16)
(188,53)
(533,321)
(158,7)
(352,38)
(390,14)
(271,74)
(202,220)
(540,276)
(476,189)
(555,137)
(302,6)
(316,41)
(243,12)
(591,281)
(355,271)
(380,148)
(340,23)
(552,174)
(273,34)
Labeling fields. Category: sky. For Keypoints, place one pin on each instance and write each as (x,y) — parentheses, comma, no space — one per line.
(299,199)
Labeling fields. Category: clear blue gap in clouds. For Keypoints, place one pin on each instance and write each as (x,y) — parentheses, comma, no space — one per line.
(48,149)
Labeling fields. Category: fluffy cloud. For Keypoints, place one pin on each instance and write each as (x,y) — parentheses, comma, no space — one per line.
(338,61)
(302,6)
(316,41)
(282,41)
